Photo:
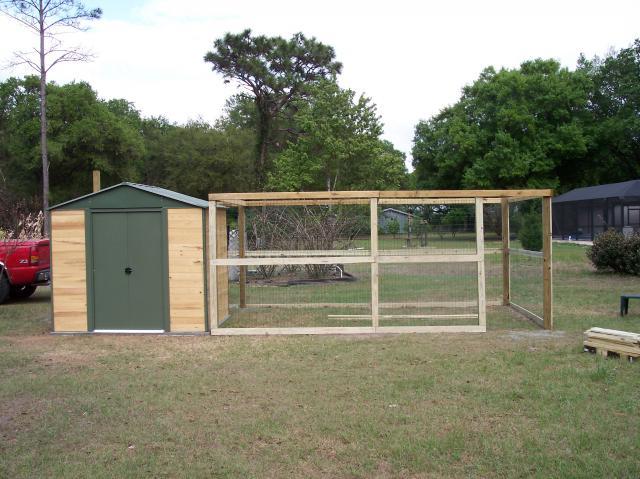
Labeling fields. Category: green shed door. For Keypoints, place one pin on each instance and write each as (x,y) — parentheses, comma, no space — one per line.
(127,271)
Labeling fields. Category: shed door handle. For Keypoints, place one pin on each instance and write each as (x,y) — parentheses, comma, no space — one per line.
(128,270)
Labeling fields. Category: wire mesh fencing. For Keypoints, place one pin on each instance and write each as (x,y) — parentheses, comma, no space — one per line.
(373,263)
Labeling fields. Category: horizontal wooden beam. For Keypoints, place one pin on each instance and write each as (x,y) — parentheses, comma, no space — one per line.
(405,305)
(320,195)
(309,202)
(296,195)
(291,260)
(426,201)
(346,330)
(526,252)
(289,331)
(430,258)
(435,201)
(404,316)
(528,314)
(431,329)
(306,252)
(228,202)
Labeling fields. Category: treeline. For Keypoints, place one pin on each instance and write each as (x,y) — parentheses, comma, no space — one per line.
(540,125)
(337,145)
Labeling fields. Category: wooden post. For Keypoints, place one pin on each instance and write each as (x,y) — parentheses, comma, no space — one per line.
(482,301)
(241,253)
(375,316)
(506,259)
(96,180)
(547,264)
(213,276)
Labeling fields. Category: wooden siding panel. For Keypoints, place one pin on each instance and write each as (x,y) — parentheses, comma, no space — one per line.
(186,270)
(69,271)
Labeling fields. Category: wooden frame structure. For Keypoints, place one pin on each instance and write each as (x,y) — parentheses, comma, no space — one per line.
(219,262)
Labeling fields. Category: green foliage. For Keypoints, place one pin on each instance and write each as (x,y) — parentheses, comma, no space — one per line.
(511,128)
(539,125)
(339,146)
(612,251)
(87,133)
(276,72)
(84,133)
(614,106)
(530,232)
(393,227)
(197,158)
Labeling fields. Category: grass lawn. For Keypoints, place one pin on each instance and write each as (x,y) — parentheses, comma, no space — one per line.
(514,402)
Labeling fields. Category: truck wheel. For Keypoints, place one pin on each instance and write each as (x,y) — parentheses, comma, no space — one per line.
(4,287)
(22,292)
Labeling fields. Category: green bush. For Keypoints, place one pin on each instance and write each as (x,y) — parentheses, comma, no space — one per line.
(531,232)
(393,227)
(611,251)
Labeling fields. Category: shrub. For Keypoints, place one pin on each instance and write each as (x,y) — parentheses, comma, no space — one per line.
(611,251)
(531,232)
(393,227)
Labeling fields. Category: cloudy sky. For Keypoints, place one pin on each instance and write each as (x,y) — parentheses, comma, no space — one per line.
(411,57)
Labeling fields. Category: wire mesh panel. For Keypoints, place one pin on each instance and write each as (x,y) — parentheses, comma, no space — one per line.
(428,294)
(493,246)
(526,257)
(527,282)
(419,229)
(306,230)
(371,261)
(293,295)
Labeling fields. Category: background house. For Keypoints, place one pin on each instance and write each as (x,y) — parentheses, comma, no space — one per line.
(584,213)
(388,214)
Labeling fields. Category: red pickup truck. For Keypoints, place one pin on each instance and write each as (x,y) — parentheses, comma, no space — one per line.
(24,265)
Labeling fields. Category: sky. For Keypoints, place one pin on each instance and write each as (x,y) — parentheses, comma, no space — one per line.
(411,57)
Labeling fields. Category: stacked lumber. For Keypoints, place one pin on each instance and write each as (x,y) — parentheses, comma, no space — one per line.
(605,341)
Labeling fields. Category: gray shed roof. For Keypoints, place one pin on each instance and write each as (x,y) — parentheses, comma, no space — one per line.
(172,195)
(627,190)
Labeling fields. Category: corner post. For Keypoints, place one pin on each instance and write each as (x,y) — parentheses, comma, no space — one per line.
(96,180)
(241,253)
(375,314)
(506,259)
(482,302)
(213,276)
(547,264)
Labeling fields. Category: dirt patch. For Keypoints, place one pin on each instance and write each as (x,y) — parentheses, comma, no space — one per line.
(16,414)
(528,335)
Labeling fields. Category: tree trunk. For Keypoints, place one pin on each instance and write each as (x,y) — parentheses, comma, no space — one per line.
(264,130)
(43,128)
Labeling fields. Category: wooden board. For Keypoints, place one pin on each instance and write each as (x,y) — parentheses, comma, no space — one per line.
(547,273)
(69,271)
(506,260)
(222,272)
(346,330)
(186,270)
(529,193)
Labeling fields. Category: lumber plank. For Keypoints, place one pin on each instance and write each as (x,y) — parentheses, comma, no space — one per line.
(547,265)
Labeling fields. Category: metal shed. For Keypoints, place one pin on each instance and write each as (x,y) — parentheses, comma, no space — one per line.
(584,213)
(130,258)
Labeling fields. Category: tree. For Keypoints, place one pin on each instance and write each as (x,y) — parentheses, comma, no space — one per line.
(49,19)
(84,133)
(339,146)
(614,108)
(276,72)
(512,128)
(197,158)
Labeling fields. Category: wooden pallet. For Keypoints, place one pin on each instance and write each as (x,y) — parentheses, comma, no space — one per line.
(606,342)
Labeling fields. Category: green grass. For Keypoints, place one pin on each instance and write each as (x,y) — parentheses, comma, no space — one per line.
(513,402)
